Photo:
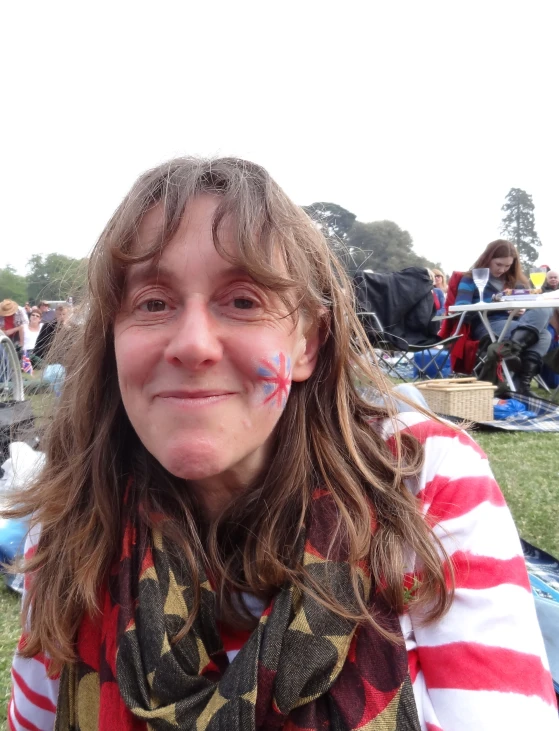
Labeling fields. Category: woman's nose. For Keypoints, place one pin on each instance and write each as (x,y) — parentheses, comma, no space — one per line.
(194,341)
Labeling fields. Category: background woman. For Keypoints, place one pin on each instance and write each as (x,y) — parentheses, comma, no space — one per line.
(529,332)
(28,334)
(230,536)
(439,295)
(440,280)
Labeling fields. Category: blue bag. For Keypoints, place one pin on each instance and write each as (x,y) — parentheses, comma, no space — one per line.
(510,408)
(441,361)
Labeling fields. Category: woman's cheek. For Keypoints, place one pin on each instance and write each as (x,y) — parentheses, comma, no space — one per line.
(272,380)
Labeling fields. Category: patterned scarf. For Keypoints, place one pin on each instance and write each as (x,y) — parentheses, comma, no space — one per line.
(302,669)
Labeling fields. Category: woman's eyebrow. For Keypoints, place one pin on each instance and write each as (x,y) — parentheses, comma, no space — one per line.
(147,271)
(151,271)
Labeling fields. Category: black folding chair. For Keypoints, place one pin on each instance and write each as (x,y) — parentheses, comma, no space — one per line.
(397,310)
(394,352)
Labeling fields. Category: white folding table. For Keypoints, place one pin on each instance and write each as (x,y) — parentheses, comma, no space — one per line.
(511,306)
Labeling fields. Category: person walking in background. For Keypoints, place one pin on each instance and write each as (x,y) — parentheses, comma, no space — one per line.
(528,333)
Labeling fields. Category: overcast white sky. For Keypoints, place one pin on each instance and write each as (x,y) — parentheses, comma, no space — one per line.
(425,113)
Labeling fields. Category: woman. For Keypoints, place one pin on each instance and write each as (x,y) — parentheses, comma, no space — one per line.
(440,280)
(528,333)
(438,294)
(28,334)
(230,537)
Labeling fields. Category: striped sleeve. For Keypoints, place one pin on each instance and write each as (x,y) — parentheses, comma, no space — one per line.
(483,665)
(466,291)
(34,695)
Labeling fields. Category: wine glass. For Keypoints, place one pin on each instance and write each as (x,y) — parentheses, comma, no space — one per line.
(537,277)
(480,277)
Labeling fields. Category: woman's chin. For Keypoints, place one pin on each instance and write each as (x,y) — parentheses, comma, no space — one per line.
(195,462)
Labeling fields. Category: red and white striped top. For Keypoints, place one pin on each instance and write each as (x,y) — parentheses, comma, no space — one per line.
(483,665)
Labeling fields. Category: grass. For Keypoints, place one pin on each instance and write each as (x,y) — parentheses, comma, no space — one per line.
(525,466)
(9,635)
(527,469)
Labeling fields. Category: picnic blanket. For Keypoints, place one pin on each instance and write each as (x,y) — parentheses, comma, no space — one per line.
(546,419)
(543,572)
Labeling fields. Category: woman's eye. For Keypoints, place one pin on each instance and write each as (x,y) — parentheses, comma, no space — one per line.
(154,305)
(243,304)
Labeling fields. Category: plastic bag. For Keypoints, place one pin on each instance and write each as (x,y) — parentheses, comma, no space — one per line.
(510,409)
(22,466)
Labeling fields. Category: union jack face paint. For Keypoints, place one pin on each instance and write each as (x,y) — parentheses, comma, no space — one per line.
(275,375)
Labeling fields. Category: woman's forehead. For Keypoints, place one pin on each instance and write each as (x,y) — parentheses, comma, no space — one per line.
(154,235)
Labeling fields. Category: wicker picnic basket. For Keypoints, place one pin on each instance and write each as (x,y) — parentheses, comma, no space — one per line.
(466,398)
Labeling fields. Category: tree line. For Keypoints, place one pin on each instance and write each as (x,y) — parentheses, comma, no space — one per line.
(379,245)
(51,277)
(384,247)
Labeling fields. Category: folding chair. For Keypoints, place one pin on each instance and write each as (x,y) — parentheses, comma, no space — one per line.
(397,310)
(393,352)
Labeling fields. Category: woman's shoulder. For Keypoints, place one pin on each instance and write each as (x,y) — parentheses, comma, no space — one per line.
(448,450)
(421,426)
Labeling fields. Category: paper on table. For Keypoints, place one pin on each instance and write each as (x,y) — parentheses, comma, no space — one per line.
(519,297)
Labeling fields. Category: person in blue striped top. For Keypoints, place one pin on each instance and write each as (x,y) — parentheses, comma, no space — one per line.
(529,331)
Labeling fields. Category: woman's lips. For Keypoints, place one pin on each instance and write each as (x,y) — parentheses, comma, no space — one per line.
(195,398)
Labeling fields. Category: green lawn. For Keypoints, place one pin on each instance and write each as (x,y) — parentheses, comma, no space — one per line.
(526,467)
(9,635)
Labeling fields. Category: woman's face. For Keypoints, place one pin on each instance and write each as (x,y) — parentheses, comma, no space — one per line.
(500,265)
(34,319)
(205,356)
(438,280)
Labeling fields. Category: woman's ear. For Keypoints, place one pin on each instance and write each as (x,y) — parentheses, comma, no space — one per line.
(307,351)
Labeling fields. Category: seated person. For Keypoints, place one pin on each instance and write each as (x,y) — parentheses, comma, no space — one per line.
(551,281)
(12,317)
(438,294)
(440,280)
(529,332)
(28,334)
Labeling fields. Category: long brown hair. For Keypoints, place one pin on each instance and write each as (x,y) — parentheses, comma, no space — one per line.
(324,437)
(501,249)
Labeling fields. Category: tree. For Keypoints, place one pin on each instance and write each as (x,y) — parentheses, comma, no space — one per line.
(383,247)
(519,225)
(335,221)
(55,277)
(12,285)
